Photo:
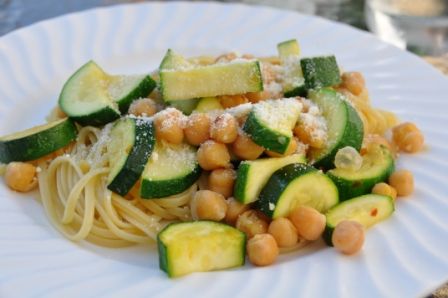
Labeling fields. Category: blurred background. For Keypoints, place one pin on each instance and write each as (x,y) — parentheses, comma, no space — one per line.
(419,26)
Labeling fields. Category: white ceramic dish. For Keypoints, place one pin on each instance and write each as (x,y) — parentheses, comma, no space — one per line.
(405,256)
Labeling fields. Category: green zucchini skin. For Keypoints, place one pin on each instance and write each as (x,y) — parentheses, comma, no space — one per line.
(138,156)
(297,91)
(264,136)
(145,87)
(364,205)
(254,172)
(241,182)
(165,188)
(273,193)
(319,72)
(360,182)
(98,118)
(39,144)
(351,135)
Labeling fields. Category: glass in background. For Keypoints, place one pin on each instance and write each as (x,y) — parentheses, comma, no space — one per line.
(347,11)
(420,26)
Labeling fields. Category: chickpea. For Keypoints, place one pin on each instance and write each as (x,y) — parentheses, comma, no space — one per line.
(142,107)
(354,82)
(226,57)
(283,231)
(234,209)
(245,148)
(255,97)
(169,126)
(262,250)
(210,205)
(408,137)
(305,135)
(212,155)
(197,129)
(221,181)
(292,147)
(348,237)
(224,129)
(309,222)
(229,101)
(385,190)
(251,223)
(20,176)
(403,182)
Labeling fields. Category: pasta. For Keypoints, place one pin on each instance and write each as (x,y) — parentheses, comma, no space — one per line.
(81,207)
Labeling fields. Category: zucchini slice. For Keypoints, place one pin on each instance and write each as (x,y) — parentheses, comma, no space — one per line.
(187,106)
(270,123)
(319,72)
(252,175)
(92,97)
(293,81)
(131,143)
(345,127)
(367,210)
(208,104)
(295,185)
(38,141)
(377,165)
(288,48)
(231,78)
(170,170)
(200,246)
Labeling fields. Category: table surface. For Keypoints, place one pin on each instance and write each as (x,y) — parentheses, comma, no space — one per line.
(18,13)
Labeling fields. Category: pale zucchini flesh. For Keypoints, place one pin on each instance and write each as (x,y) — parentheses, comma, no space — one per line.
(211,80)
(200,246)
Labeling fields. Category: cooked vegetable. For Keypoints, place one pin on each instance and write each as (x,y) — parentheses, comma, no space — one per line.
(170,170)
(296,185)
(367,210)
(92,97)
(36,142)
(293,81)
(270,123)
(200,246)
(208,104)
(182,80)
(131,144)
(344,125)
(253,175)
(320,72)
(377,165)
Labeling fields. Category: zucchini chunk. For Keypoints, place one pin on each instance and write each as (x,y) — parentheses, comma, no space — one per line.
(208,104)
(252,175)
(345,127)
(200,246)
(367,210)
(320,72)
(270,123)
(377,165)
(189,81)
(170,170)
(295,185)
(293,81)
(92,97)
(131,143)
(186,106)
(38,141)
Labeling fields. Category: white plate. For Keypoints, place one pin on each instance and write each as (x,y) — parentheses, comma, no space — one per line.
(405,256)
